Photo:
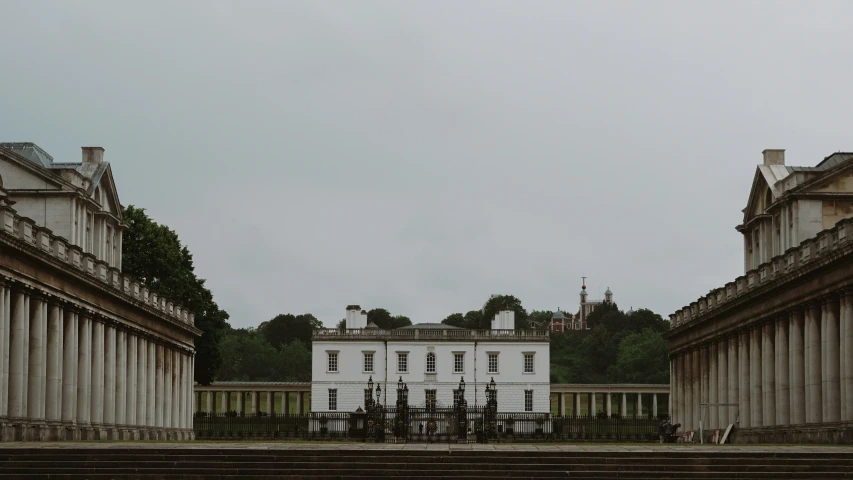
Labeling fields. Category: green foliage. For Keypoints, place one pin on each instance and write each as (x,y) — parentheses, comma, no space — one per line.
(643,358)
(619,348)
(496,303)
(154,254)
(455,320)
(285,328)
(248,356)
(384,320)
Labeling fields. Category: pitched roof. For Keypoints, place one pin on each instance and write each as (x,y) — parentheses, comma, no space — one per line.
(35,154)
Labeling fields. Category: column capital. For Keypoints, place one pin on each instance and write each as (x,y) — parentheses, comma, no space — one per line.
(829,299)
(795,310)
(845,292)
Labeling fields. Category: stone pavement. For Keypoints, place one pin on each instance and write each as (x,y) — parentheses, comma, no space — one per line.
(519,447)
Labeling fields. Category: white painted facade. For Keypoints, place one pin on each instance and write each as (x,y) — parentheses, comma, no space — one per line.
(339,370)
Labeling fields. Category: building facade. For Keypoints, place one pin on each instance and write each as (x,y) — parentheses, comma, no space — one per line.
(563,321)
(431,359)
(772,351)
(86,352)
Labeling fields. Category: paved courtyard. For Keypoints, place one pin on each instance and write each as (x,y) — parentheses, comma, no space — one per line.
(574,447)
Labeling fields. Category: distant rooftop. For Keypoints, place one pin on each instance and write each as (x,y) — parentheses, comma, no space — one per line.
(440,326)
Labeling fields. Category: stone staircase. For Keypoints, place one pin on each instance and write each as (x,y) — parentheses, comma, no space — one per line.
(209,462)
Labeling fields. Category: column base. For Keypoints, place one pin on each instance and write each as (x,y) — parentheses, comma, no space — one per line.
(23,430)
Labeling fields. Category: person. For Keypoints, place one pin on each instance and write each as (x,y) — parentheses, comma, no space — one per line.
(662,430)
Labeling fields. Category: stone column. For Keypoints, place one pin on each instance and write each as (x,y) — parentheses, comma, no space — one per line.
(713,387)
(796,360)
(655,405)
(722,383)
(842,373)
(623,406)
(702,416)
(121,378)
(176,388)
(755,377)
(132,381)
(608,404)
(687,411)
(27,322)
(847,359)
(744,381)
(209,402)
(814,391)
(697,389)
(159,394)
(97,372)
(84,368)
(299,402)
(53,394)
(141,381)
(69,367)
(226,402)
(182,396)
(576,411)
(638,407)
(150,380)
(19,343)
(109,375)
(768,375)
(679,415)
(5,325)
(783,392)
(37,369)
(733,379)
(561,407)
(832,361)
(168,367)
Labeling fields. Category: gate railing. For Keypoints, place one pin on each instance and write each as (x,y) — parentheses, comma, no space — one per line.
(429,425)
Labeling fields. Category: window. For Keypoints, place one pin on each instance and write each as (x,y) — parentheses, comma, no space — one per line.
(402,362)
(333,399)
(368,362)
(528,400)
(430,363)
(430,399)
(528,363)
(493,363)
(458,363)
(333,362)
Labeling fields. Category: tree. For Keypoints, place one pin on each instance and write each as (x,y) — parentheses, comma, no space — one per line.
(543,317)
(284,328)
(384,320)
(401,321)
(643,358)
(455,320)
(497,303)
(154,254)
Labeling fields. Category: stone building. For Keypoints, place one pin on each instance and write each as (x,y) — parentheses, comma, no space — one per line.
(772,351)
(563,322)
(431,358)
(86,352)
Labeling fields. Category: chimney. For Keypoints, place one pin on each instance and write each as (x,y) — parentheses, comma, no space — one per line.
(93,155)
(774,156)
(355,317)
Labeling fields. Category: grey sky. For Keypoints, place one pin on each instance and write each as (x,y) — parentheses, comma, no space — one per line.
(420,156)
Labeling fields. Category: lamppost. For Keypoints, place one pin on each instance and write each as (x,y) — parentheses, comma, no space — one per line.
(462,412)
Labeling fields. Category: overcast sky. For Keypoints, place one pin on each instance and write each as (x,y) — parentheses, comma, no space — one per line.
(420,156)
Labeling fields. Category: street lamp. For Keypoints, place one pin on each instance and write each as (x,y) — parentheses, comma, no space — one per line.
(370,383)
(462,384)
(378,392)
(400,384)
(493,383)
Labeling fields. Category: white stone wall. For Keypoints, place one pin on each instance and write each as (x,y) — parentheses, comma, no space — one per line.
(351,380)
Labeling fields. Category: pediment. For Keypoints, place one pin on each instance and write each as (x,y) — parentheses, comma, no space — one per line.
(105,193)
(758,201)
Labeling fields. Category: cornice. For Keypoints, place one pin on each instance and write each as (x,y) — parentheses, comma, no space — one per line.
(27,249)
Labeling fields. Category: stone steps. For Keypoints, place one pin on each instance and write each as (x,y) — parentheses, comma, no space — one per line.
(187,462)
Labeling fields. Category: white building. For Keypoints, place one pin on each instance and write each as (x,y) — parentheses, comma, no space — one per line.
(431,359)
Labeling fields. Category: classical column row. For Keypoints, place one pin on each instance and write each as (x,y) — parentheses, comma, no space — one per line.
(791,369)
(248,402)
(64,366)
(622,398)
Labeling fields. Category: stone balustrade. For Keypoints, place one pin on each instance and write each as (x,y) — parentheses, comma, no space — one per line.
(432,334)
(42,239)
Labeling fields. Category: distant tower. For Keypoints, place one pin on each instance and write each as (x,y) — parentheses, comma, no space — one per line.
(583,290)
(608,295)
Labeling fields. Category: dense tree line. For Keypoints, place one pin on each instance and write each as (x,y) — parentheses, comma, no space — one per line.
(154,254)
(619,348)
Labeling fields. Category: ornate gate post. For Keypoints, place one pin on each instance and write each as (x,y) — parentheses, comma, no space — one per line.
(401,419)
(490,416)
(461,414)
(375,416)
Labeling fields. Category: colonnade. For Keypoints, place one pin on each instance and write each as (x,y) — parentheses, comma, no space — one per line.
(584,400)
(794,368)
(253,398)
(68,373)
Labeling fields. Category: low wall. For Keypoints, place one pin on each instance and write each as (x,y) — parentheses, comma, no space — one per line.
(822,433)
